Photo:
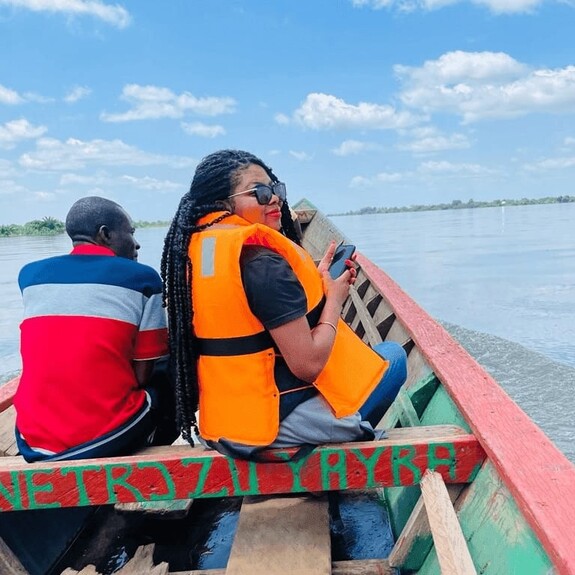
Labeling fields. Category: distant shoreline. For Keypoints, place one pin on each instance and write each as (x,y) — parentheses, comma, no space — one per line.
(50,226)
(54,227)
(459,205)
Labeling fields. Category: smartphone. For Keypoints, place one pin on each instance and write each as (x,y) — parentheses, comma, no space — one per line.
(342,252)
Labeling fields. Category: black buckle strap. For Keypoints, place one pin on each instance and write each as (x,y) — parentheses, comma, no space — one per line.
(235,345)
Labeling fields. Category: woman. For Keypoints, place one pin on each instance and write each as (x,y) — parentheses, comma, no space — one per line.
(255,329)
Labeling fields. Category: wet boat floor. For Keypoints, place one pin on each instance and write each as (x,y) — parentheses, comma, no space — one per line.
(204,538)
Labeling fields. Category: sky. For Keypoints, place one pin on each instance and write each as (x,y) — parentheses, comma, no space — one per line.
(353,103)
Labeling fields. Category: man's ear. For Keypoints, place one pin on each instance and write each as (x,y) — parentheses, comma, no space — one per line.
(103,236)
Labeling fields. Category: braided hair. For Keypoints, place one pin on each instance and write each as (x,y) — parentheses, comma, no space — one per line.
(214,179)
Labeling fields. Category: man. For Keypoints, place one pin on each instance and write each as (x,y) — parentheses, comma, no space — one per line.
(93,328)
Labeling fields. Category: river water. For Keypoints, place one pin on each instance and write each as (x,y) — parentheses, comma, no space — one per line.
(501,280)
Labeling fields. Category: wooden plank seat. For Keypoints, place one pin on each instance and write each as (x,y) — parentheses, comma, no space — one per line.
(181,472)
(415,541)
(8,445)
(8,418)
(450,545)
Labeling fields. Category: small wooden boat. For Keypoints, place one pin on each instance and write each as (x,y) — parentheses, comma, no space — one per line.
(470,483)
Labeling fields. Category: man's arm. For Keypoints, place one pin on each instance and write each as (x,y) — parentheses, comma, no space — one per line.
(151,341)
(143,370)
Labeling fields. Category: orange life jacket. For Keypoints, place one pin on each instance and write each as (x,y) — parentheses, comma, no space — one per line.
(239,399)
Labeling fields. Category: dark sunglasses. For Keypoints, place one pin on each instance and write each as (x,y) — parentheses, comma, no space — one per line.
(263,193)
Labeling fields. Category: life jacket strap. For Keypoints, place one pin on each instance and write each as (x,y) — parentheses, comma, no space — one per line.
(228,346)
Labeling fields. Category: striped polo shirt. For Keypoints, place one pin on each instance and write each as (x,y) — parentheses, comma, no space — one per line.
(88,316)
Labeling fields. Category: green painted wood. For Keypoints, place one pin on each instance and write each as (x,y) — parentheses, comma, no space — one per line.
(391,418)
(442,410)
(401,500)
(498,537)
(421,393)
(407,415)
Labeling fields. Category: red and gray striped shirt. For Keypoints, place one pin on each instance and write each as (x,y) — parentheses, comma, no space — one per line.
(88,316)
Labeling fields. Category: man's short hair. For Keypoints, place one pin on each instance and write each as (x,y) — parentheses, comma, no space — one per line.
(89,214)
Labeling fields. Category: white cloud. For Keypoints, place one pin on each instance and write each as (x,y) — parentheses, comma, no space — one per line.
(8,96)
(509,6)
(77,93)
(153,102)
(8,187)
(455,67)
(425,171)
(72,154)
(479,85)
(360,182)
(301,156)
(325,112)
(104,180)
(11,97)
(203,130)
(148,183)
(495,6)
(445,168)
(37,98)
(282,119)
(72,179)
(17,130)
(354,147)
(6,168)
(569,141)
(551,164)
(387,177)
(115,15)
(381,178)
(45,196)
(429,140)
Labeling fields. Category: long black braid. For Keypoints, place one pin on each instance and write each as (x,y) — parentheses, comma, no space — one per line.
(214,179)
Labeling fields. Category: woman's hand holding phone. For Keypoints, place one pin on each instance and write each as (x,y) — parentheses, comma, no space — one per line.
(341,260)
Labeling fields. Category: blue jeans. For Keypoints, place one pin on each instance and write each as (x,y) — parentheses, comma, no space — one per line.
(386,390)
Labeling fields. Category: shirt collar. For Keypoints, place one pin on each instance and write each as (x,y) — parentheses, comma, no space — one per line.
(91,250)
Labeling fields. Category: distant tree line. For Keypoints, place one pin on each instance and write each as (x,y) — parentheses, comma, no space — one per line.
(45,227)
(459,205)
(48,226)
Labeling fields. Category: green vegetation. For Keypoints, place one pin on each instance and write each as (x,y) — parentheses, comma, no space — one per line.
(45,227)
(459,205)
(48,226)
(156,224)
